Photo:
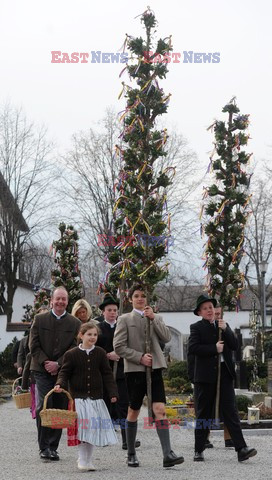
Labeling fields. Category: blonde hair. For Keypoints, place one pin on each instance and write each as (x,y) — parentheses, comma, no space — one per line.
(82,304)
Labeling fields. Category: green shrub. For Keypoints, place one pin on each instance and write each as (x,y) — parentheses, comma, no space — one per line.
(268,345)
(262,370)
(181,385)
(6,363)
(178,369)
(264,384)
(243,402)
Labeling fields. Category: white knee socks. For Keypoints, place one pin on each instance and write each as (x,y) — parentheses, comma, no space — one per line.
(85,451)
(89,453)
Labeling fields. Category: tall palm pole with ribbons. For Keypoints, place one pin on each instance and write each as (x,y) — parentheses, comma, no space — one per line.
(225,211)
(141,223)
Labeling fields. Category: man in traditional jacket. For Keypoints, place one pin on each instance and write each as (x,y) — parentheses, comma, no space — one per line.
(51,335)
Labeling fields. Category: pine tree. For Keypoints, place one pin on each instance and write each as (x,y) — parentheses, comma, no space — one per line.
(141,225)
(66,272)
(227,207)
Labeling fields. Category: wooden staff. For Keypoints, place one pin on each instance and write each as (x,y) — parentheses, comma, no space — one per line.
(148,370)
(114,370)
(217,398)
(121,306)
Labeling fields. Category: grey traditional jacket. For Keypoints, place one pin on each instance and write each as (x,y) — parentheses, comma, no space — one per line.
(129,340)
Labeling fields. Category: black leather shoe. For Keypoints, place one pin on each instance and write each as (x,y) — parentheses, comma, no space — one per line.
(45,454)
(199,457)
(172,459)
(245,453)
(137,444)
(208,444)
(229,443)
(132,460)
(54,455)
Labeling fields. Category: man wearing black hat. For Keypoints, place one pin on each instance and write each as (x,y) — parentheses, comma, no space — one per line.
(205,346)
(119,410)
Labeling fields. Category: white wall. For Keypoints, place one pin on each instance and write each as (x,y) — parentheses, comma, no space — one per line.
(22,296)
(6,337)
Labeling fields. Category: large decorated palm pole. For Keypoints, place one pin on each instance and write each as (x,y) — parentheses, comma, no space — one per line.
(141,223)
(226,211)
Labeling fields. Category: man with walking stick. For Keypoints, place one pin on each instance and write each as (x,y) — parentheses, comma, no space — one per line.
(205,346)
(130,343)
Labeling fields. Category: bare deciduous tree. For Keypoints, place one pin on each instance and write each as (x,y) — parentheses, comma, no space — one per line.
(93,172)
(258,236)
(36,265)
(24,193)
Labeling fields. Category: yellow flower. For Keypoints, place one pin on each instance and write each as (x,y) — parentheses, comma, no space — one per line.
(177,401)
(171,412)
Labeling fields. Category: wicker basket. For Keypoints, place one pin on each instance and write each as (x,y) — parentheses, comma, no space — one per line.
(22,400)
(55,417)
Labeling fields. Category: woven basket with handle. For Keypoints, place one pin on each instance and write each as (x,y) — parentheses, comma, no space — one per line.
(56,417)
(22,400)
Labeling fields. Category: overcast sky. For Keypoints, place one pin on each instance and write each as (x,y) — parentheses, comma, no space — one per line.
(70,97)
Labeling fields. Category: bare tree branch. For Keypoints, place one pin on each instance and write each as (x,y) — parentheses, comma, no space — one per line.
(25,176)
(258,238)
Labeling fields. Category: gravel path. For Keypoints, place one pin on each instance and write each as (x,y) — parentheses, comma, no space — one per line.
(20,459)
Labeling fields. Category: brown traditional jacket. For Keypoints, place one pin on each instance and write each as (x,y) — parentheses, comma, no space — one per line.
(50,338)
(87,374)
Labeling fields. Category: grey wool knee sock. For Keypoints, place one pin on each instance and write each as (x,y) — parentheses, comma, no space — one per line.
(162,427)
(131,432)
(124,436)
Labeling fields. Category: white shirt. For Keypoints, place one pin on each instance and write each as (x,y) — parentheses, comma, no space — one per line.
(138,311)
(87,350)
(111,324)
(57,316)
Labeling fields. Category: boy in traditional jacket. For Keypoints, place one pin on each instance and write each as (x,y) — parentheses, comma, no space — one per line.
(205,346)
(129,343)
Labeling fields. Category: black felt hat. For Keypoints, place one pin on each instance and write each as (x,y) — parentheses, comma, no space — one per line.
(108,300)
(202,299)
